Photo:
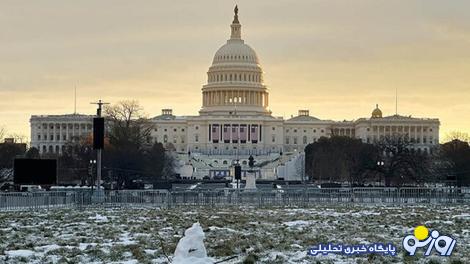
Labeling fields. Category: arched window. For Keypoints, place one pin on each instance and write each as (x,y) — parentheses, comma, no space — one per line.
(50,149)
(44,149)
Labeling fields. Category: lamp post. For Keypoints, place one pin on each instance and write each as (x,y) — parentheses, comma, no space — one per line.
(381,164)
(90,171)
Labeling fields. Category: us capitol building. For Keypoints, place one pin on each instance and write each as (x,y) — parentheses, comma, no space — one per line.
(234,122)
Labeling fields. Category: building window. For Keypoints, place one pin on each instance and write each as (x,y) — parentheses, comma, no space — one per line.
(196,138)
(51,137)
(165,139)
(273,139)
(305,140)
(274,128)
(287,140)
(174,130)
(39,137)
(295,140)
(64,137)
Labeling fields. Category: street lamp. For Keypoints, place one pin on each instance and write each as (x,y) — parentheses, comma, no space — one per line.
(90,171)
(381,164)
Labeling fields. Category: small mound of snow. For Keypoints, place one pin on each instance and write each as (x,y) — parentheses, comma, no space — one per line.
(191,249)
(20,253)
(99,218)
(296,223)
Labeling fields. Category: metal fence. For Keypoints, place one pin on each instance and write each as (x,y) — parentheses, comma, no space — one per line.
(36,200)
(298,197)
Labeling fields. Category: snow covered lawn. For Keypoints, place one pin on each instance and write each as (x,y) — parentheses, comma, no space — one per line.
(253,235)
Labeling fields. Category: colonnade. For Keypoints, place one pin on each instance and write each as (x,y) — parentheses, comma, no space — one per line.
(256,98)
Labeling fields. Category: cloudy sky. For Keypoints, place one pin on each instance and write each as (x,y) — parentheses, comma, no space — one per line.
(336,58)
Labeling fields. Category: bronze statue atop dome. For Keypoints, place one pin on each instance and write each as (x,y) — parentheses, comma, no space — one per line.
(235,17)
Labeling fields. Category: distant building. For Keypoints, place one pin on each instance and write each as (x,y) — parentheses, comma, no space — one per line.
(11,141)
(235,122)
(50,133)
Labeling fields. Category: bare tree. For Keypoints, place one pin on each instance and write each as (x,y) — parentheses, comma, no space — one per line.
(128,124)
(457,135)
(19,138)
(402,163)
(3,132)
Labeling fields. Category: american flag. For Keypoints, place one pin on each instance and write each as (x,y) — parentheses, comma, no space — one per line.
(234,132)
(243,132)
(215,132)
(226,132)
(254,133)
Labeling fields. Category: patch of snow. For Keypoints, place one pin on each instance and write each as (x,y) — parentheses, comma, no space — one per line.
(464,216)
(150,251)
(47,248)
(20,253)
(99,218)
(296,223)
(213,228)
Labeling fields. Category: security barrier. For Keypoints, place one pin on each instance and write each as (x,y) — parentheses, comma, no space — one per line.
(289,197)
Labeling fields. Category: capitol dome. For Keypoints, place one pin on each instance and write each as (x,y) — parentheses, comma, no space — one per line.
(235,51)
(235,79)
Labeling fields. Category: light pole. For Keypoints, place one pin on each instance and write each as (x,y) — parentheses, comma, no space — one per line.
(380,164)
(98,148)
(92,164)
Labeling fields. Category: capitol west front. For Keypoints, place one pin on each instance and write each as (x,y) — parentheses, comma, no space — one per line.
(234,122)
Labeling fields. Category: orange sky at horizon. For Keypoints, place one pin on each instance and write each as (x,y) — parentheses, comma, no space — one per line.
(336,58)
